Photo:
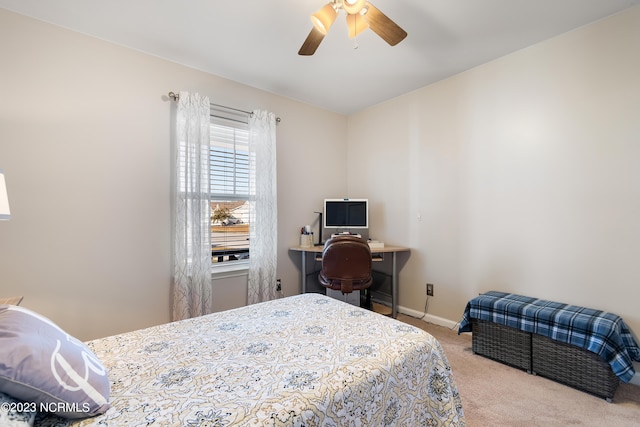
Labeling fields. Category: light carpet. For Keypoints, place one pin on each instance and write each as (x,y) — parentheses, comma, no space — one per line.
(494,394)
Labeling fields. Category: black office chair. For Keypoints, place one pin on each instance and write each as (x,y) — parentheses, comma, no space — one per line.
(346,265)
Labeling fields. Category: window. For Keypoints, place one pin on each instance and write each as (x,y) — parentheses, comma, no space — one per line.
(230,191)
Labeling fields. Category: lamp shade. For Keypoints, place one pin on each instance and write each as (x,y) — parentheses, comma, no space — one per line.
(324,18)
(4,200)
(356,24)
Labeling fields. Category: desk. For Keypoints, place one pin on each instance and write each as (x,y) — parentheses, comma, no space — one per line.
(376,254)
(11,300)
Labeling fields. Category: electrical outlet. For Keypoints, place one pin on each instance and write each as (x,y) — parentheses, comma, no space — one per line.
(278,285)
(430,289)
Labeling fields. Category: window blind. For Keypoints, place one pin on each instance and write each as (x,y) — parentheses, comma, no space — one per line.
(229,189)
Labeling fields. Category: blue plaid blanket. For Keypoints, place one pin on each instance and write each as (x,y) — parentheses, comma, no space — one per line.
(600,332)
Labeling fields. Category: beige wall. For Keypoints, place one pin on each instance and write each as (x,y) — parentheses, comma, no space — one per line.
(518,175)
(85,143)
(521,175)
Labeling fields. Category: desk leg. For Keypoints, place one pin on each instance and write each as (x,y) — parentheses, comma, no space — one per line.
(394,287)
(304,272)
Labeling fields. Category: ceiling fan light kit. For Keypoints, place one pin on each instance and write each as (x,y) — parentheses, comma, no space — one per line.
(360,15)
(356,23)
(353,6)
(324,18)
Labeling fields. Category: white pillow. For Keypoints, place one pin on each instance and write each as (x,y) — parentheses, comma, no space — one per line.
(42,365)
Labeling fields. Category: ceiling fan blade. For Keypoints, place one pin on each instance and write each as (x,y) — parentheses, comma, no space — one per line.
(383,26)
(311,43)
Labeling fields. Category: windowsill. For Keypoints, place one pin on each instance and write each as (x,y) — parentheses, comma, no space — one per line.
(232,269)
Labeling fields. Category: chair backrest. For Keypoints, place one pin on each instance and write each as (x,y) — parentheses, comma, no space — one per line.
(346,264)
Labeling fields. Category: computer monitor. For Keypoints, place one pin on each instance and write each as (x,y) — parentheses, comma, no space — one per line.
(346,213)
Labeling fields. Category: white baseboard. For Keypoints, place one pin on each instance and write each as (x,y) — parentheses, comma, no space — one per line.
(440,321)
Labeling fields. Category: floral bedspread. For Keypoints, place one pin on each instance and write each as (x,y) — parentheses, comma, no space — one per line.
(305,360)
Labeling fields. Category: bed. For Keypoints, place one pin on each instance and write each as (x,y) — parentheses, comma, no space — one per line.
(305,360)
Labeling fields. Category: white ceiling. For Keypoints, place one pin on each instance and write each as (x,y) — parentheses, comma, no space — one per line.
(255,42)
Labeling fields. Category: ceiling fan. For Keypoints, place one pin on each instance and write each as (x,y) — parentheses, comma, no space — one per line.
(360,15)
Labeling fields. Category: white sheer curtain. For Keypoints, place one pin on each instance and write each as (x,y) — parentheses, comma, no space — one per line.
(192,239)
(263,234)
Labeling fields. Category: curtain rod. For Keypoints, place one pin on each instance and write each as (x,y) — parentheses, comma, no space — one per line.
(175,97)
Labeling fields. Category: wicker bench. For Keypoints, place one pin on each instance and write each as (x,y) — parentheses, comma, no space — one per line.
(511,329)
(502,343)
